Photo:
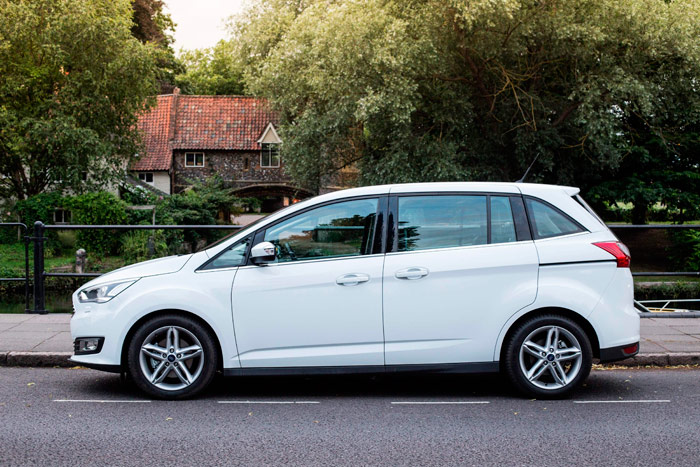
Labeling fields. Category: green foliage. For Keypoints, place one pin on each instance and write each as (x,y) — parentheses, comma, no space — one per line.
(202,204)
(41,208)
(100,208)
(685,252)
(74,80)
(664,290)
(137,195)
(153,26)
(134,247)
(210,71)
(459,90)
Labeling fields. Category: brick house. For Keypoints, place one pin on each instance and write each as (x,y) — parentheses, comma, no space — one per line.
(195,137)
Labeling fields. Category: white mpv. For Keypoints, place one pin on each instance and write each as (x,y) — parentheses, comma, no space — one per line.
(438,277)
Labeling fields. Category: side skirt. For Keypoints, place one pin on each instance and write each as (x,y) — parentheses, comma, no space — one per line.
(455,368)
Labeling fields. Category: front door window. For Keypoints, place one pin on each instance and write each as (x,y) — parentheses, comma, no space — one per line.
(336,230)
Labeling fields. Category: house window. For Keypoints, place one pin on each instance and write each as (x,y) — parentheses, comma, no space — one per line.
(270,156)
(61,216)
(194,159)
(146,177)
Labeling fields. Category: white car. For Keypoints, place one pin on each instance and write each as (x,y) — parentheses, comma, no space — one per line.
(440,277)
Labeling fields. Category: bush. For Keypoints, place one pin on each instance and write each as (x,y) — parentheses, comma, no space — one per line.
(137,195)
(134,246)
(685,252)
(202,204)
(667,290)
(95,209)
(41,208)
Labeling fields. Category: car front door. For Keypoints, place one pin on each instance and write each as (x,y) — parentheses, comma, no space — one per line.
(460,266)
(319,303)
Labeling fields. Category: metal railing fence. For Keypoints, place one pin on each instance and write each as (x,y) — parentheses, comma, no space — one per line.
(38,240)
(39,274)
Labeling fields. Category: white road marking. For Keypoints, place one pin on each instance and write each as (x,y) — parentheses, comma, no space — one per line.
(268,402)
(102,401)
(439,402)
(649,401)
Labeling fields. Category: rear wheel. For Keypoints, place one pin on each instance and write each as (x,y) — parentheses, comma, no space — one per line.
(172,357)
(548,356)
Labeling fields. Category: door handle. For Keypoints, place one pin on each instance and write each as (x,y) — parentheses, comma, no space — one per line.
(352,279)
(411,273)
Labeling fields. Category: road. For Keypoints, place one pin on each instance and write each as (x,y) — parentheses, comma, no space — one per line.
(83,417)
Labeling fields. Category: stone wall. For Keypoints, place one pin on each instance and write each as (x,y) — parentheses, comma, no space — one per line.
(239,168)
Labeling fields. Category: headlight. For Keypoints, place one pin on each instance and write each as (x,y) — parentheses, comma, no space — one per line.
(104,292)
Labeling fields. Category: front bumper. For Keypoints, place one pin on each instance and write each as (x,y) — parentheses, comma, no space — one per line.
(620,352)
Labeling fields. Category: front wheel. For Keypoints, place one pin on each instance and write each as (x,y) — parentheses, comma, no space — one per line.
(172,357)
(548,356)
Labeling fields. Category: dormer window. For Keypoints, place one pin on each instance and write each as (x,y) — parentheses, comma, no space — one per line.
(270,156)
(269,148)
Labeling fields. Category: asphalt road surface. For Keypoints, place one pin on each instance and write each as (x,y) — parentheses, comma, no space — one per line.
(84,417)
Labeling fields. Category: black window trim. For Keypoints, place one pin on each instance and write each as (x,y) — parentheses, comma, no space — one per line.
(531,221)
(379,230)
(393,216)
(204,265)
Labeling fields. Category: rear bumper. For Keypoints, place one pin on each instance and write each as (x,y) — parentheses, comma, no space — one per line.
(620,352)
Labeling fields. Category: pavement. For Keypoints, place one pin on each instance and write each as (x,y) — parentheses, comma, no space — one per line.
(44,340)
(620,417)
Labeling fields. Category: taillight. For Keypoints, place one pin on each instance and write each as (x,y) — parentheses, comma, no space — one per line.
(618,250)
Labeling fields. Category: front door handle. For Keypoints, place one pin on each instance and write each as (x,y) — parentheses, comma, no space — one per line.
(411,273)
(352,279)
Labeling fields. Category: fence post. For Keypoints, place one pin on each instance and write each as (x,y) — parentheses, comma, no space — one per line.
(27,239)
(39,298)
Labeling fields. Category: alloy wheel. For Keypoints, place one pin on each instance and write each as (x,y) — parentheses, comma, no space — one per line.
(550,357)
(171,358)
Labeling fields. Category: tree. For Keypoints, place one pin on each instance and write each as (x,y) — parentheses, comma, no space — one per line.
(73,82)
(210,71)
(455,89)
(151,23)
(153,26)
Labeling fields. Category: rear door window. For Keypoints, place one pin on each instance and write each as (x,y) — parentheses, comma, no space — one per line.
(428,222)
(502,225)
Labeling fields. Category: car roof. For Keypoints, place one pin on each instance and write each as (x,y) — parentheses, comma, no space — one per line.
(490,187)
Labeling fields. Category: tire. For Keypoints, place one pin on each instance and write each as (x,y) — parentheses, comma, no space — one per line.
(172,357)
(541,369)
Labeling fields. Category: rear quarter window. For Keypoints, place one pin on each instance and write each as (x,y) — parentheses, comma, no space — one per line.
(547,221)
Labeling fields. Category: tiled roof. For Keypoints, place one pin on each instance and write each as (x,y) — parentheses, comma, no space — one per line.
(155,126)
(220,122)
(202,122)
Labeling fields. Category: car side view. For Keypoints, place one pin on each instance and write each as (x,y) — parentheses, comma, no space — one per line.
(431,277)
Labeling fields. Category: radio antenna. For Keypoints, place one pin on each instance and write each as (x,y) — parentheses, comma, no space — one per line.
(522,179)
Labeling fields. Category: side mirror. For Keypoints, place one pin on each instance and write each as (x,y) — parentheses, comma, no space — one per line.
(263,252)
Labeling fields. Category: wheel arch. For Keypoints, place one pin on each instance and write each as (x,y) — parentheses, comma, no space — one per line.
(154,314)
(576,317)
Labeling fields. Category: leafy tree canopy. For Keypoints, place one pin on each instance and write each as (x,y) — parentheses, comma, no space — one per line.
(455,90)
(152,25)
(210,71)
(72,83)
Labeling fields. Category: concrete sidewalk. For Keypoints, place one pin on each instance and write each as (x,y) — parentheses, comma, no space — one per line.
(44,340)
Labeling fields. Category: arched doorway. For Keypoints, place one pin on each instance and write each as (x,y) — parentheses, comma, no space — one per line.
(274,196)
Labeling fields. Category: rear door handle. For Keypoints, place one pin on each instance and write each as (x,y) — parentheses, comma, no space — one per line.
(411,273)
(352,279)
